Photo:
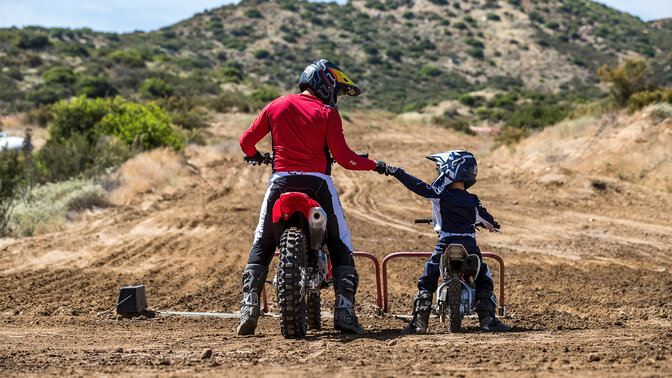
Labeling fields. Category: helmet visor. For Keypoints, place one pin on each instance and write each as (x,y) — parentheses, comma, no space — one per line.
(345,82)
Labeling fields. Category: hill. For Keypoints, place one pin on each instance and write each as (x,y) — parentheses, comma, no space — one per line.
(405,54)
(587,256)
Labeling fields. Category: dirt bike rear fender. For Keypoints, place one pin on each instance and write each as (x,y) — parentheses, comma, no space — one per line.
(296,209)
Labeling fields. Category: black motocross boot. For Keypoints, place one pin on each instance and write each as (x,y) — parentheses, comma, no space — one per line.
(422,305)
(346,281)
(486,303)
(254,277)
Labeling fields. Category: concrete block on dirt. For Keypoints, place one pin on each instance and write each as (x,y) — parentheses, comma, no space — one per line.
(132,301)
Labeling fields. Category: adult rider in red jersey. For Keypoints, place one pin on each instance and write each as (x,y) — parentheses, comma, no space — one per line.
(306,131)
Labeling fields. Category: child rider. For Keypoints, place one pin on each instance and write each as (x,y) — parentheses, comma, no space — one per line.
(455,213)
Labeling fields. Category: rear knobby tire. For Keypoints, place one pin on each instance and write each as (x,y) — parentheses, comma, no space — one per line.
(454,299)
(290,299)
(314,314)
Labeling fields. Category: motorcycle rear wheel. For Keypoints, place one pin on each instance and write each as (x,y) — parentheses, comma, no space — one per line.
(314,312)
(291,298)
(454,299)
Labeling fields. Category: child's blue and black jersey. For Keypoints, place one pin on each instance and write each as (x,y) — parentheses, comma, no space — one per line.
(455,211)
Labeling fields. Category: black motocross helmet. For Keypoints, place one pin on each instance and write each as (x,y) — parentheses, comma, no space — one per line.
(327,81)
(455,165)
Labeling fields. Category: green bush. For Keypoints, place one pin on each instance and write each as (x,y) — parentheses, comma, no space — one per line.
(130,58)
(510,135)
(49,204)
(265,94)
(430,71)
(33,41)
(44,95)
(642,99)
(190,119)
(451,121)
(467,99)
(408,15)
(460,25)
(630,77)
(252,13)
(231,74)
(536,116)
(154,88)
(261,53)
(474,42)
(476,53)
(59,75)
(73,49)
(11,174)
(493,17)
(394,54)
(94,87)
(148,126)
(536,17)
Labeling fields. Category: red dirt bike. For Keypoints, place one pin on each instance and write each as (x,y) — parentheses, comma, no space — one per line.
(456,297)
(300,228)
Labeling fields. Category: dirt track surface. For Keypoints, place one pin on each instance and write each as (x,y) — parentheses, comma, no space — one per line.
(588,259)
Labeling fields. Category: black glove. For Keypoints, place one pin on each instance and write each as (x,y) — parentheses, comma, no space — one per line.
(381,167)
(257,159)
(391,171)
(495,225)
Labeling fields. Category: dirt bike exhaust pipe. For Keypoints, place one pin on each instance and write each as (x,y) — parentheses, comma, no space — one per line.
(317,226)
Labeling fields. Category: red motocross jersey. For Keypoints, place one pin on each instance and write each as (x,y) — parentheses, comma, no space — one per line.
(304,130)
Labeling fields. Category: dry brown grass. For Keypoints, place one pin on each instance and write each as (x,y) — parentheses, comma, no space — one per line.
(146,173)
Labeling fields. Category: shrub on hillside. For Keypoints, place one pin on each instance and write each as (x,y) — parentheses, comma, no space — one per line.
(631,76)
(47,205)
(30,40)
(94,87)
(510,135)
(130,58)
(642,99)
(660,112)
(430,71)
(44,95)
(148,126)
(252,13)
(89,135)
(11,173)
(155,87)
(455,122)
(265,94)
(261,53)
(73,49)
(59,75)
(536,116)
(231,74)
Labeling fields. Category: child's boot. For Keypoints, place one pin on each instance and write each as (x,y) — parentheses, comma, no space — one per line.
(422,305)
(486,303)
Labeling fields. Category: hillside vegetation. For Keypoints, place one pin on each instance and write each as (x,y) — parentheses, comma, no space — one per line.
(405,54)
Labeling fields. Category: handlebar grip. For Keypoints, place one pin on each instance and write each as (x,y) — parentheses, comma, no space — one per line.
(423,220)
(366,155)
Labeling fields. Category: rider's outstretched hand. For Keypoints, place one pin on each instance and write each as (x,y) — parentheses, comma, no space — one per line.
(381,167)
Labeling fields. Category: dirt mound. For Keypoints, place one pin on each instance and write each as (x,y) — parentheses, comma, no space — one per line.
(587,255)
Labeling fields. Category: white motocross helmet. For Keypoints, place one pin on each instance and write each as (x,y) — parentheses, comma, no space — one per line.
(454,165)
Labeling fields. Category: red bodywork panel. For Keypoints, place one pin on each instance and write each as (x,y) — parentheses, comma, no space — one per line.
(291,202)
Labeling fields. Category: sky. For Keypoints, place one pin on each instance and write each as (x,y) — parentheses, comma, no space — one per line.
(123,16)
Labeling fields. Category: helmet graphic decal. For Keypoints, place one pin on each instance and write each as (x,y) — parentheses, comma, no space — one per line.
(452,166)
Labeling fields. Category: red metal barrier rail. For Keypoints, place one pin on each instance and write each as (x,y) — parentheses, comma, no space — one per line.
(501,309)
(376,263)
